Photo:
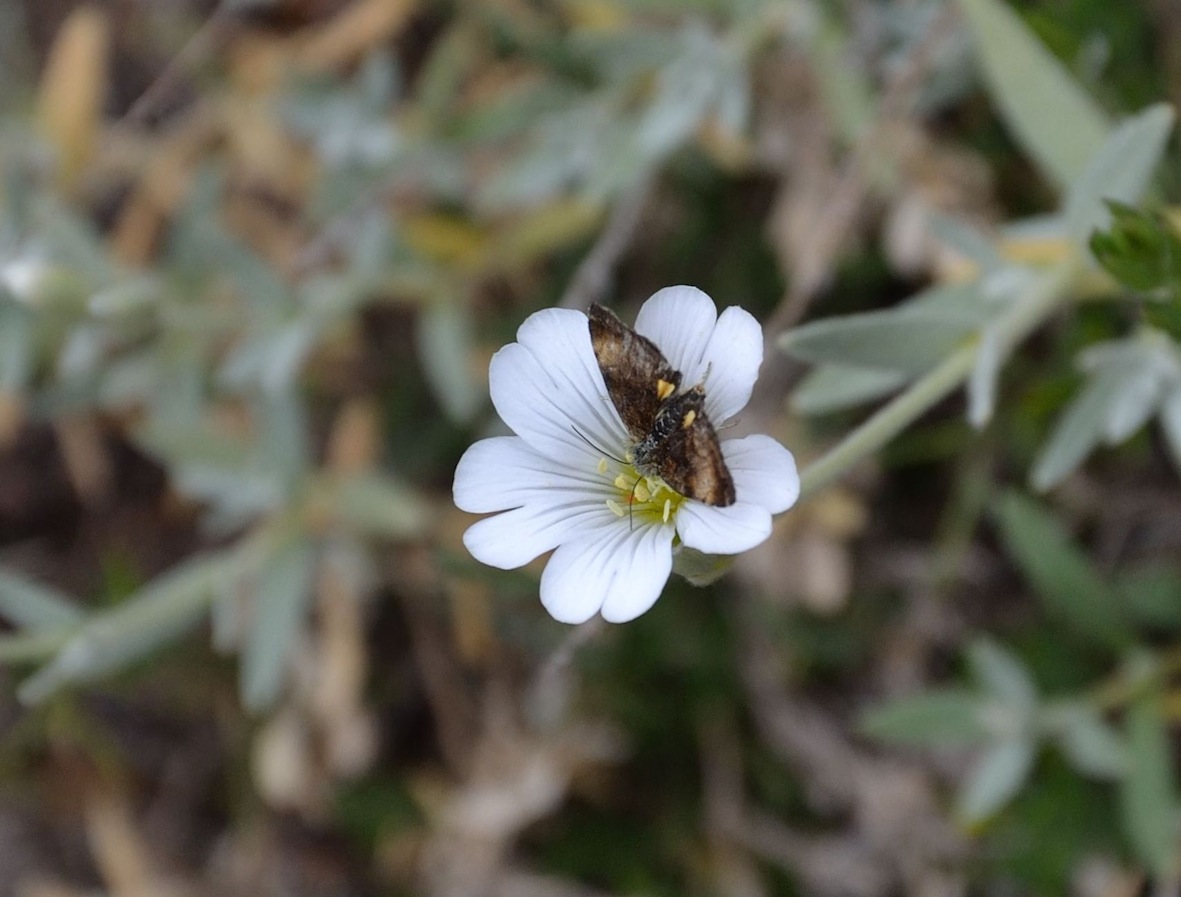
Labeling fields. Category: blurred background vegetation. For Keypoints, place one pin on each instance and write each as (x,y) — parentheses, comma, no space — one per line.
(255,256)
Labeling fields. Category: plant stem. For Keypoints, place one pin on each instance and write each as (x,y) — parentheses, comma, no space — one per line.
(1026,315)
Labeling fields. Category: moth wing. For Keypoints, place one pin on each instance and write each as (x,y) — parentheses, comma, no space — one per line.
(690,457)
(638,377)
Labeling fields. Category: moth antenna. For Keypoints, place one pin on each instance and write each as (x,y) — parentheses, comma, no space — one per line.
(601,451)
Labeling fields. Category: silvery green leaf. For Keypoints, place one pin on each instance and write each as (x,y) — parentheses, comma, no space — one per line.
(125,297)
(844,86)
(1121,392)
(940,716)
(378,505)
(1149,795)
(1089,744)
(995,779)
(700,569)
(1002,675)
(280,603)
(16,345)
(1119,170)
(1049,114)
(445,343)
(1171,422)
(982,382)
(31,605)
(965,239)
(908,340)
(684,92)
(1061,573)
(833,387)
(281,446)
(156,614)
(1152,594)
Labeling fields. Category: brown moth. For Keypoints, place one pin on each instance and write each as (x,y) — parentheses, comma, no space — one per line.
(671,434)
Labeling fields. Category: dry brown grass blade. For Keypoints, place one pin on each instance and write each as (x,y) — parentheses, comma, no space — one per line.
(73,88)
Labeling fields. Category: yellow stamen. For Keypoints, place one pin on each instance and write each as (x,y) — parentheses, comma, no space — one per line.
(615,508)
(690,416)
(624,483)
(602,467)
(664,389)
(668,506)
(642,492)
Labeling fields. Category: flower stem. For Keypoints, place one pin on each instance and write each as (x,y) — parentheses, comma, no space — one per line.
(1027,313)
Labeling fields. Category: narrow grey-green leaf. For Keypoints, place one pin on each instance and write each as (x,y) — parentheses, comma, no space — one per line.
(1090,745)
(941,716)
(280,605)
(445,348)
(834,387)
(1060,572)
(1171,423)
(996,778)
(159,612)
(379,505)
(31,605)
(1120,170)
(982,382)
(1148,796)
(903,341)
(1054,120)
(964,238)
(1002,675)
(1152,594)
(1092,416)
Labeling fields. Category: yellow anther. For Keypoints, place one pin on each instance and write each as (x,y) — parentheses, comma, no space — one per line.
(624,483)
(616,508)
(668,506)
(602,467)
(664,389)
(690,416)
(642,492)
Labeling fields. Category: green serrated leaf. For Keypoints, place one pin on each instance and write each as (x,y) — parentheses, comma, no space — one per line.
(1058,124)
(1060,573)
(942,716)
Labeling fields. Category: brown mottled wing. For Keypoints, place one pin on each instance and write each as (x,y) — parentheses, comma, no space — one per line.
(633,370)
(683,449)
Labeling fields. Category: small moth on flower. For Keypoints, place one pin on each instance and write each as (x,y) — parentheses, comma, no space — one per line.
(616,463)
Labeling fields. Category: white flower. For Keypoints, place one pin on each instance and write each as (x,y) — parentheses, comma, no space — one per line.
(556,484)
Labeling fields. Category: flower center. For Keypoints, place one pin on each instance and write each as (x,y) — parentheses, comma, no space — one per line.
(642,499)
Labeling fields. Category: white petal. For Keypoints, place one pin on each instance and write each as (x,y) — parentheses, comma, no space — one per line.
(620,572)
(503,472)
(679,320)
(514,538)
(555,408)
(730,530)
(764,472)
(731,363)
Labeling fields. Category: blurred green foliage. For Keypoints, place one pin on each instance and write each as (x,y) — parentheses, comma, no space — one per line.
(278,294)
